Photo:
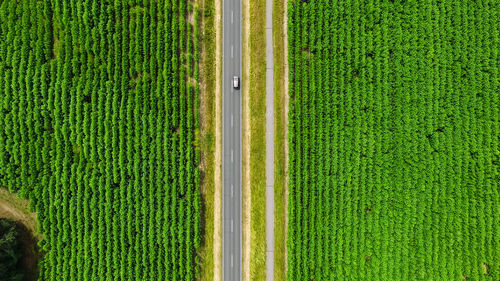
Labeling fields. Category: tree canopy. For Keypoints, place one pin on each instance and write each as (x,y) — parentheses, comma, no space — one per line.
(10,252)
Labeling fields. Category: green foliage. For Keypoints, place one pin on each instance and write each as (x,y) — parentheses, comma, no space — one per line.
(98,104)
(10,252)
(394,140)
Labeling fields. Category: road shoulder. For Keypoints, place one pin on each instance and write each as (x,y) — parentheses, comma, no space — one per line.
(245,149)
(217,211)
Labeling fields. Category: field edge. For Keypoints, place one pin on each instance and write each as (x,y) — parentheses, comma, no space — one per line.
(207,136)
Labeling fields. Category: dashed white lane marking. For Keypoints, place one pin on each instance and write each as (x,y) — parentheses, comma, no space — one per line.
(232,191)
(232,53)
(232,226)
(231,260)
(231,120)
(232,156)
(231,16)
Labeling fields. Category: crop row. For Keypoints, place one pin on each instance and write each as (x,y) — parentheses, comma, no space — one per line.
(99,122)
(394,140)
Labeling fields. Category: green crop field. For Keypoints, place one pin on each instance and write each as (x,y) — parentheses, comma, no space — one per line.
(394,140)
(99,128)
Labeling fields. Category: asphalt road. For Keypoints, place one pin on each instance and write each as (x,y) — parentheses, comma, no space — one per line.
(231,141)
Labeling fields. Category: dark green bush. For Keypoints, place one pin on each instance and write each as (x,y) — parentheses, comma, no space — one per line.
(10,251)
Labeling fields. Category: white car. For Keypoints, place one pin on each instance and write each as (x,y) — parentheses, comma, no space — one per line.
(236,82)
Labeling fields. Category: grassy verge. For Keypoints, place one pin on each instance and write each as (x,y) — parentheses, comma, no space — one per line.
(257,104)
(280,141)
(207,135)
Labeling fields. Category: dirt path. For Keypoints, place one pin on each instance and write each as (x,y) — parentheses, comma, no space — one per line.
(218,145)
(285,70)
(17,209)
(8,211)
(270,144)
